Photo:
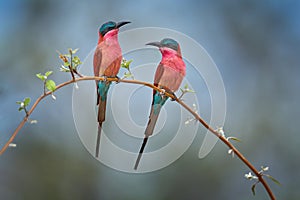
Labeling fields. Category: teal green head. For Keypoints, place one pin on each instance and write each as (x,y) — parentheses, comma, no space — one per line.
(108,26)
(167,42)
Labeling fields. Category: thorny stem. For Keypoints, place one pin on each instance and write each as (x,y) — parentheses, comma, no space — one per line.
(206,125)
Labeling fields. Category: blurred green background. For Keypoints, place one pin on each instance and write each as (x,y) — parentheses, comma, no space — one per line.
(255,44)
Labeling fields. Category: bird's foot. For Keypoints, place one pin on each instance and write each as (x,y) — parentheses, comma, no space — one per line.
(104,78)
(162,92)
(118,79)
(174,96)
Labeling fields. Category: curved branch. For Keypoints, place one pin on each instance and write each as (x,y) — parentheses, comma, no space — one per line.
(231,146)
(206,125)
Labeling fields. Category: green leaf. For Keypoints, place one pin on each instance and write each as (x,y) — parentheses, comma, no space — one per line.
(26,101)
(253,189)
(66,64)
(50,85)
(186,86)
(234,138)
(19,102)
(126,64)
(189,90)
(48,73)
(186,89)
(21,108)
(273,179)
(123,65)
(67,55)
(74,51)
(129,62)
(40,76)
(76,61)
(64,69)
(128,75)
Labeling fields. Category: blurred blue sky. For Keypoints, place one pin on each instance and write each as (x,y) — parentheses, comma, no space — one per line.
(255,45)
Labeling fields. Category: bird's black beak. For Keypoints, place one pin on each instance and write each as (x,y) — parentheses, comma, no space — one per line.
(156,44)
(122,24)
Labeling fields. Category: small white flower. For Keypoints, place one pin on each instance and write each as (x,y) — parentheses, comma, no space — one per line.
(53,96)
(195,108)
(230,151)
(250,176)
(33,121)
(22,105)
(76,86)
(264,168)
(12,145)
(189,120)
(221,131)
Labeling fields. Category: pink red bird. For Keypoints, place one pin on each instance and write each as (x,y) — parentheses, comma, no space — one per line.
(169,75)
(107,62)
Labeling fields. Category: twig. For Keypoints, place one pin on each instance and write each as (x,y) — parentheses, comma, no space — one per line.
(44,87)
(71,65)
(76,72)
(230,145)
(85,78)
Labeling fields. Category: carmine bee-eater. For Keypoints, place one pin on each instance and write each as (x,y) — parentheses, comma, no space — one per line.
(107,62)
(168,76)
